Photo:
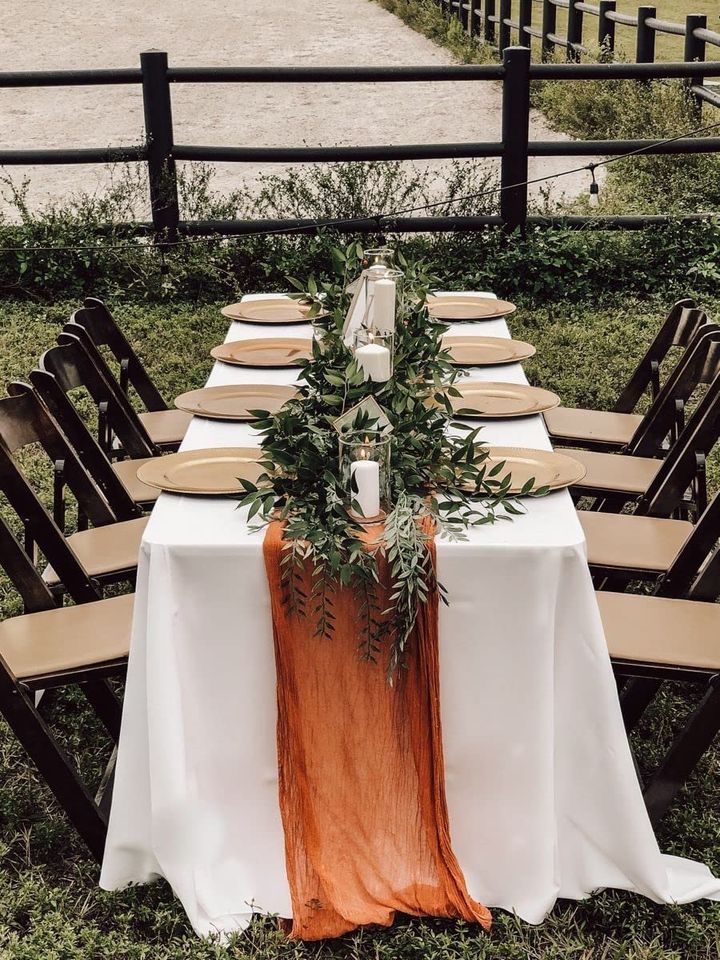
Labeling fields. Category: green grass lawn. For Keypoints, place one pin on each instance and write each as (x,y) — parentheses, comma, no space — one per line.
(50,905)
(425,16)
(667,46)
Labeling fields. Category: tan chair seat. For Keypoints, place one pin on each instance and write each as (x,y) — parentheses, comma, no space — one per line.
(166,426)
(657,630)
(107,549)
(139,491)
(595,426)
(641,543)
(614,472)
(40,644)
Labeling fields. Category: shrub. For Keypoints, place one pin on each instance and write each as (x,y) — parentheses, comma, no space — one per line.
(627,109)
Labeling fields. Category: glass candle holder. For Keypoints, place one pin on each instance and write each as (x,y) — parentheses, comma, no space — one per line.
(382,298)
(365,473)
(373,352)
(379,256)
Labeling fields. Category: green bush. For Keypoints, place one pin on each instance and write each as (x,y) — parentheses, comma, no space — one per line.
(626,109)
(579,264)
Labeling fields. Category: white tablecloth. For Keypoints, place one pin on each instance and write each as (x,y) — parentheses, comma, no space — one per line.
(542,794)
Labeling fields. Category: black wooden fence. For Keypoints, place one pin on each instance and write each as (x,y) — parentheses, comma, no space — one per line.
(160,151)
(493,21)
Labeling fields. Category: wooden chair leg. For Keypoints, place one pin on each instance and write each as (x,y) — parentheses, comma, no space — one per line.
(106,705)
(689,746)
(637,695)
(54,765)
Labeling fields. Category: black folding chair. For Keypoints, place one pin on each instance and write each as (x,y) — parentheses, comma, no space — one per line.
(673,635)
(165,426)
(74,366)
(614,480)
(647,544)
(108,551)
(668,552)
(666,417)
(613,430)
(117,479)
(51,647)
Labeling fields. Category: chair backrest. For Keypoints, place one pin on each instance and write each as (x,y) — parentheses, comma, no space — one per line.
(677,330)
(699,365)
(72,366)
(100,324)
(121,399)
(24,420)
(89,453)
(706,585)
(680,469)
(35,519)
(694,571)
(34,592)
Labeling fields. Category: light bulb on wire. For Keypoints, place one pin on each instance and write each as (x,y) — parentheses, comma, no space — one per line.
(594,188)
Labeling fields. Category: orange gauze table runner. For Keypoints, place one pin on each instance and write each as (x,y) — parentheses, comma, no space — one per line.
(361,776)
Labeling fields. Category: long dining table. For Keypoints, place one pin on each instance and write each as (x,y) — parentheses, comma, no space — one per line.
(542,793)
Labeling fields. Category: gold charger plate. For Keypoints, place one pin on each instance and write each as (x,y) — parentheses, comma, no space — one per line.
(489,400)
(234,402)
(548,468)
(266,352)
(468,308)
(279,310)
(486,351)
(203,472)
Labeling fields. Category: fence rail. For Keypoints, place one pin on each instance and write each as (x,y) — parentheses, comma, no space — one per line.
(160,151)
(493,21)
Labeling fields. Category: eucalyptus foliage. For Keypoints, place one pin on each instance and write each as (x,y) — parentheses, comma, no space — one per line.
(439,475)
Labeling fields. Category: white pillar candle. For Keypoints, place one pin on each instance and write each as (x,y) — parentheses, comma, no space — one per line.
(384,306)
(376,271)
(365,486)
(374,361)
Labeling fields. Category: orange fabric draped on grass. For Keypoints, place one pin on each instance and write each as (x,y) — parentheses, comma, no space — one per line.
(362,790)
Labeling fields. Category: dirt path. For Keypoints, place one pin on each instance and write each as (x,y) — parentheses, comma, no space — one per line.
(40,34)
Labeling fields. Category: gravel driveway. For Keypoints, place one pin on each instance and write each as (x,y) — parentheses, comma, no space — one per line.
(39,34)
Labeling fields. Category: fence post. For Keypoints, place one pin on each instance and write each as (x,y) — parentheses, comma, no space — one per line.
(606,28)
(462,14)
(503,28)
(525,20)
(159,141)
(695,50)
(488,24)
(473,5)
(515,134)
(574,30)
(645,50)
(549,24)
